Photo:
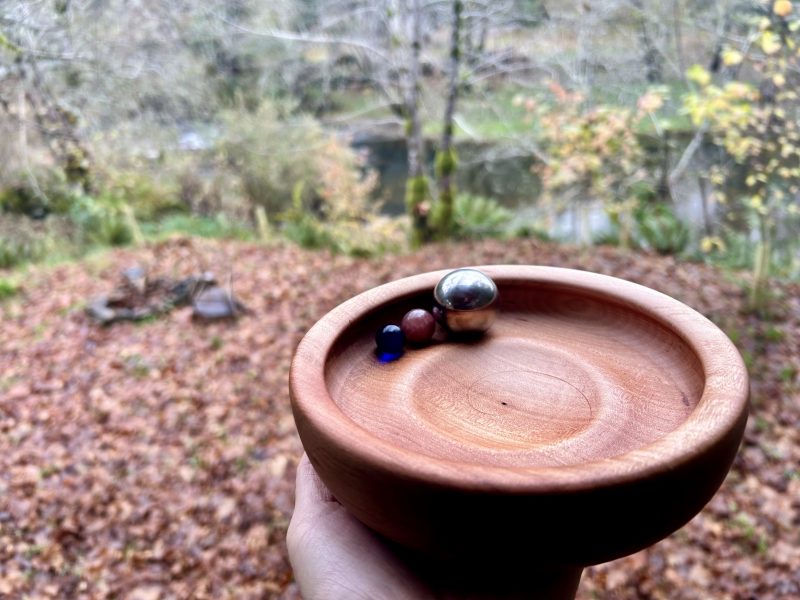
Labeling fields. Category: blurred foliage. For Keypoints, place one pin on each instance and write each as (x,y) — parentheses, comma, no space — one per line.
(37,194)
(757,126)
(346,229)
(530,230)
(660,229)
(310,184)
(218,226)
(592,153)
(13,253)
(8,288)
(23,240)
(87,222)
(272,155)
(220,141)
(150,196)
(476,217)
(309,181)
(101,222)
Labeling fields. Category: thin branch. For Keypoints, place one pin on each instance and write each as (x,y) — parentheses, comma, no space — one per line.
(688,154)
(307,38)
(361,112)
(465,127)
(503,71)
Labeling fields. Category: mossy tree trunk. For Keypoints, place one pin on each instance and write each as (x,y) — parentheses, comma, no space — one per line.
(417,193)
(759,296)
(446,160)
(58,124)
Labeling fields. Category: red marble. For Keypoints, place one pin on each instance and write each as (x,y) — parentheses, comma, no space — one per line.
(418,326)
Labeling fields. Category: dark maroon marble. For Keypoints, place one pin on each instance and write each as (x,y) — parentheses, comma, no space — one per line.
(418,326)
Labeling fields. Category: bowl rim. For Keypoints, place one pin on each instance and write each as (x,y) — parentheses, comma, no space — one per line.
(719,412)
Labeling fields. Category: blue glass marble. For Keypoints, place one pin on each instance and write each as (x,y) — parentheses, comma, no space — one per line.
(390,341)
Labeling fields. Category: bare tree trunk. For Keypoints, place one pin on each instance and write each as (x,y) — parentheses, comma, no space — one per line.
(701,183)
(446,160)
(651,58)
(483,33)
(759,293)
(417,191)
(415,149)
(716,63)
(677,22)
(663,188)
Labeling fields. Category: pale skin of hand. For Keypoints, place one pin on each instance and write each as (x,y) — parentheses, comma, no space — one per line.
(335,557)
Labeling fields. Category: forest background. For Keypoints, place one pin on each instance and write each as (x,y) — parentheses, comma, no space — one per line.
(306,150)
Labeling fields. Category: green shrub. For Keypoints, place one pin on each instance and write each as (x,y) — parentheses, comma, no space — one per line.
(661,229)
(271,156)
(329,201)
(11,254)
(361,232)
(219,227)
(533,231)
(37,195)
(101,221)
(607,237)
(366,239)
(308,232)
(7,289)
(150,195)
(22,241)
(476,217)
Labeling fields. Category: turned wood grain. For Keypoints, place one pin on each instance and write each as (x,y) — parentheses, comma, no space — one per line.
(594,418)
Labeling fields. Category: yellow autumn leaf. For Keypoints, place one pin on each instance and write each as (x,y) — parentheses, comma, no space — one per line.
(770,42)
(778,79)
(782,8)
(708,244)
(737,89)
(699,75)
(731,57)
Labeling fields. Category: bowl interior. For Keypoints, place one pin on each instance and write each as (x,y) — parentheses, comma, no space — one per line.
(566,375)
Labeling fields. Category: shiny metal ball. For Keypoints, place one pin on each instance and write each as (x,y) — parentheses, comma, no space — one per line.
(467,299)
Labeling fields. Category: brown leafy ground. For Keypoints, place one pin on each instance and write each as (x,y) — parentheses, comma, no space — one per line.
(157,460)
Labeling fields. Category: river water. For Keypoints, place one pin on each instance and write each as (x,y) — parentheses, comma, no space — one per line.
(504,173)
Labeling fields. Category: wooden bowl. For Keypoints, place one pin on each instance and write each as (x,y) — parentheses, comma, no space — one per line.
(594,418)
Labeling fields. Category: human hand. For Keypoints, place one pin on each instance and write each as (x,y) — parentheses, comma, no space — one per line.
(334,556)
